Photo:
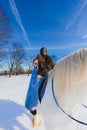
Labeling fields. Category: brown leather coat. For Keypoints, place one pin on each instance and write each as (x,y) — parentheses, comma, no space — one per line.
(45,64)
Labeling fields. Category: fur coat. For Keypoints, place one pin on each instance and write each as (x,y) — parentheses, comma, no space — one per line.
(45,64)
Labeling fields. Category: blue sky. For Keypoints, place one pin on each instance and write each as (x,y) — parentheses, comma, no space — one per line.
(59,25)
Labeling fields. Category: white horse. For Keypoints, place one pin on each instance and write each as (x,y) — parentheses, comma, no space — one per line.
(64,104)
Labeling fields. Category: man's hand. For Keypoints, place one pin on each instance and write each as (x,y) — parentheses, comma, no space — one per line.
(36,62)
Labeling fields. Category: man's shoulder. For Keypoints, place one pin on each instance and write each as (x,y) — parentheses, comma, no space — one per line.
(39,56)
(47,56)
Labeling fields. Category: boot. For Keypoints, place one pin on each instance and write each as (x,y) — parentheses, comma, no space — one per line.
(36,120)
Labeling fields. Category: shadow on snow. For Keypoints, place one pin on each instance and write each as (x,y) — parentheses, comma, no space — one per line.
(9,112)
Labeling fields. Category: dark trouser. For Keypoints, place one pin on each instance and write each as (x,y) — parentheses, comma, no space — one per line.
(33,112)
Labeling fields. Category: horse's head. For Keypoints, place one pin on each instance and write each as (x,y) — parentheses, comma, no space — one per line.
(70,78)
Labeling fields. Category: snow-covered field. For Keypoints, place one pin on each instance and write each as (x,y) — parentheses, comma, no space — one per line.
(14,116)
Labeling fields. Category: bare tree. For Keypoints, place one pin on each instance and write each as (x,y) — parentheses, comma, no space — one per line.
(29,63)
(5,31)
(16,57)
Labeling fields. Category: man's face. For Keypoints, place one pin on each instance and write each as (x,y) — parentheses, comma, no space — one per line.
(44,52)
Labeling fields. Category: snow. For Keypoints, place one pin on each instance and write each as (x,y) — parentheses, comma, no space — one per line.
(14,116)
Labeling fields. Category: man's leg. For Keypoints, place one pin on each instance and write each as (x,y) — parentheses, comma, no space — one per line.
(36,118)
(33,112)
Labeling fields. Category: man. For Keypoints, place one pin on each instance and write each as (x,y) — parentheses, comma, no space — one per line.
(44,64)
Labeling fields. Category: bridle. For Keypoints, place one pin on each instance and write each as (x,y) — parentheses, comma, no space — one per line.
(74,119)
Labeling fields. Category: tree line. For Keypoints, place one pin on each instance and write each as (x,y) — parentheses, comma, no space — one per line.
(13,54)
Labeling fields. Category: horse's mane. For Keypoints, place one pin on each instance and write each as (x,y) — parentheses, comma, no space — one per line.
(73,66)
(70,75)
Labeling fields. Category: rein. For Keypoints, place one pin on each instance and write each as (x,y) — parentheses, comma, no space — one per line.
(83,123)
